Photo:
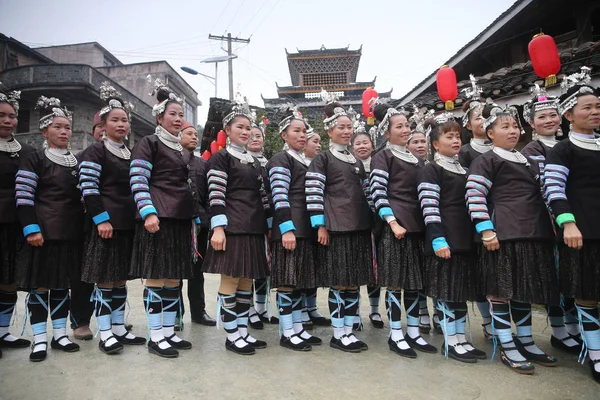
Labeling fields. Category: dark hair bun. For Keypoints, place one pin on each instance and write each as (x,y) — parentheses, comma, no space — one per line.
(162,94)
(380,111)
(332,106)
(574,89)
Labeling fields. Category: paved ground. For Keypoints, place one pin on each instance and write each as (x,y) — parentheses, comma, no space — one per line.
(209,371)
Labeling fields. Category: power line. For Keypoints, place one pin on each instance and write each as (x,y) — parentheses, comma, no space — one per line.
(254,16)
(220,15)
(235,15)
(265,17)
(229,40)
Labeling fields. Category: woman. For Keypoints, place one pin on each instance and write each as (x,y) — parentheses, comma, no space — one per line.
(238,210)
(11,239)
(49,209)
(449,261)
(337,203)
(517,255)
(572,186)
(541,112)
(400,248)
(110,221)
(310,312)
(362,148)
(163,186)
(417,144)
(260,314)
(478,145)
(292,240)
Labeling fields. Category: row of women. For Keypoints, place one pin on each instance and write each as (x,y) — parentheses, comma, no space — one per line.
(405,226)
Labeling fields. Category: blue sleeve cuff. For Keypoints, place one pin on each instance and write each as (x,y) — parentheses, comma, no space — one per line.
(100,218)
(484,226)
(197,220)
(29,229)
(317,221)
(270,222)
(144,212)
(218,220)
(439,243)
(286,227)
(384,211)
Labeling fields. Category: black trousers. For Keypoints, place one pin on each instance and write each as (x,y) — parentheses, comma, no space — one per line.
(81,306)
(195,289)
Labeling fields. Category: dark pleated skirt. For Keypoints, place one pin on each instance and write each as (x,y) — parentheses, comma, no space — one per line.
(166,254)
(245,257)
(107,260)
(294,268)
(451,279)
(400,262)
(524,271)
(580,270)
(11,243)
(347,261)
(51,266)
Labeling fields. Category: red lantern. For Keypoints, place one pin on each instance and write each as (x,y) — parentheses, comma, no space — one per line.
(544,58)
(367,99)
(446,86)
(206,155)
(221,138)
(214,147)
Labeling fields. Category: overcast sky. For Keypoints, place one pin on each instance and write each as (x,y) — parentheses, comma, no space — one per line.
(403,41)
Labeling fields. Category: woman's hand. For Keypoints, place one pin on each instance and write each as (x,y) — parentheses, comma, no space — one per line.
(572,235)
(397,230)
(218,239)
(288,240)
(35,239)
(493,244)
(151,223)
(444,252)
(323,236)
(105,230)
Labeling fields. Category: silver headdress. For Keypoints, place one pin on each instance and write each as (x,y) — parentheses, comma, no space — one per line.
(240,108)
(419,118)
(541,102)
(385,122)
(358,125)
(310,132)
(56,110)
(443,118)
(11,98)
(474,94)
(329,98)
(296,114)
(581,79)
(497,111)
(158,86)
(112,96)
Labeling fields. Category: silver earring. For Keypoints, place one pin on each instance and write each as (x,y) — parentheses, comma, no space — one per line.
(69,146)
(45,144)
(534,135)
(103,135)
(570,127)
(559,133)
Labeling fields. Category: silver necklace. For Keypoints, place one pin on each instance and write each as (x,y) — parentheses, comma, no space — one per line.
(168,139)
(341,153)
(298,157)
(591,143)
(481,145)
(61,157)
(401,153)
(259,156)
(240,153)
(10,145)
(450,164)
(549,141)
(512,156)
(118,149)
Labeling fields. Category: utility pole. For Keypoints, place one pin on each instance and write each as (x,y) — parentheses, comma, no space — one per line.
(229,40)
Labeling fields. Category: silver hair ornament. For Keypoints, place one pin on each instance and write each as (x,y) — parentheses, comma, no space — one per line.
(582,79)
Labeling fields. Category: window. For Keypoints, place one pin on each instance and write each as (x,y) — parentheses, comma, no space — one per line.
(23,124)
(108,62)
(316,95)
(328,79)
(189,113)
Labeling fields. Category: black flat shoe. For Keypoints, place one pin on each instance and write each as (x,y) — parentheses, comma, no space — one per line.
(542,359)
(595,374)
(38,355)
(136,341)
(287,342)
(437,328)
(69,348)
(115,348)
(560,344)
(244,351)
(453,354)
(15,344)
(308,325)
(180,345)
(313,340)
(424,328)
(376,323)
(257,324)
(169,352)
(408,353)
(425,348)
(264,317)
(257,345)
(357,326)
(363,346)
(478,354)
(520,367)
(338,344)
(205,320)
